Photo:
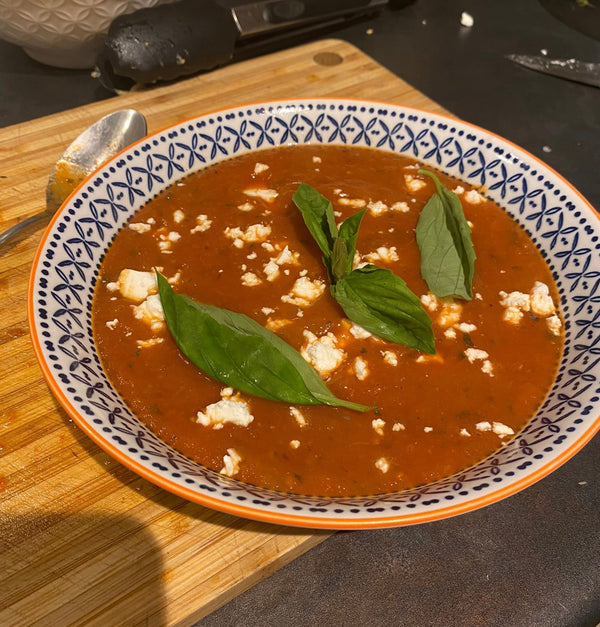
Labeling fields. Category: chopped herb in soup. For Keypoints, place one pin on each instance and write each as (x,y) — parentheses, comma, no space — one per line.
(411,329)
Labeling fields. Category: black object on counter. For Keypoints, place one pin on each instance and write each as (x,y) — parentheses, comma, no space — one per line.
(166,42)
(169,41)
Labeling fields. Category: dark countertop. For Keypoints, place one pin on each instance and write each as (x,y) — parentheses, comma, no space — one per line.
(532,559)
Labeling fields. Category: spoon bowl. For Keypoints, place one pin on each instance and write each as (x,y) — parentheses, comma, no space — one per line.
(98,143)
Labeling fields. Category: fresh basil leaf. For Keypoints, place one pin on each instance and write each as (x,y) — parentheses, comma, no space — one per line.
(339,259)
(318,217)
(349,233)
(444,239)
(239,352)
(380,302)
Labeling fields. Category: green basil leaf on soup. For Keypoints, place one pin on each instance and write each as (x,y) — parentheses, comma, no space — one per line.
(380,302)
(444,239)
(237,351)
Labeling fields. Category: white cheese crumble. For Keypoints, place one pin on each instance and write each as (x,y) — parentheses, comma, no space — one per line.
(259,168)
(322,352)
(149,343)
(413,183)
(465,327)
(390,358)
(355,203)
(382,464)
(378,424)
(400,206)
(231,463)
(254,233)
(450,334)
(398,426)
(225,411)
(538,302)
(466,19)
(496,427)
(166,241)
(135,285)
(249,279)
(304,292)
(139,227)
(428,429)
(361,369)
(295,444)
(465,433)
(151,312)
(358,332)
(268,195)
(430,301)
(298,416)
(383,253)
(450,314)
(178,216)
(377,208)
(246,206)
(202,224)
(112,324)
(474,197)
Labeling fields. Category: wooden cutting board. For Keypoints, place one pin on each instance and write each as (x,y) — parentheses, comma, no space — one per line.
(83,540)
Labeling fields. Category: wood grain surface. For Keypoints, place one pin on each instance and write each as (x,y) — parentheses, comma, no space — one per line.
(83,540)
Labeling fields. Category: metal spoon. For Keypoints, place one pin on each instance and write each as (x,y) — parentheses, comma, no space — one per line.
(89,151)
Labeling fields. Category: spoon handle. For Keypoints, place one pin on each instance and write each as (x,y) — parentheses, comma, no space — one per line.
(17,228)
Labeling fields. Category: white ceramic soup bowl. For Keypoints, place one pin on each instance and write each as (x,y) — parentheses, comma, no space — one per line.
(562,224)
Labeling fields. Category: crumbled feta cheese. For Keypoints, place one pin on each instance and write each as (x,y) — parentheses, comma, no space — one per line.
(487,367)
(413,183)
(473,197)
(151,312)
(139,227)
(202,224)
(355,203)
(276,324)
(316,159)
(112,324)
(225,411)
(554,324)
(294,444)
(304,292)
(322,352)
(465,433)
(178,216)
(267,311)
(254,233)
(135,285)
(400,207)
(450,314)
(450,333)
(268,247)
(259,168)
(377,208)
(475,354)
(430,302)
(428,429)
(387,255)
(459,189)
(287,257)
(465,327)
(358,332)
(271,270)
(398,426)
(382,464)
(249,279)
(484,426)
(390,358)
(518,300)
(541,301)
(361,369)
(501,429)
(247,206)
(149,343)
(299,416)
(268,195)
(166,240)
(378,424)
(231,463)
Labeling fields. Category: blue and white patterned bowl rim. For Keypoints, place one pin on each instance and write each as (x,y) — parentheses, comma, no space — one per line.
(563,226)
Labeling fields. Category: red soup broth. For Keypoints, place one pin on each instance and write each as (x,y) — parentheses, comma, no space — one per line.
(433,415)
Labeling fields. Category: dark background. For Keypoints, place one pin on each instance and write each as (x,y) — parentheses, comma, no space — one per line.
(532,559)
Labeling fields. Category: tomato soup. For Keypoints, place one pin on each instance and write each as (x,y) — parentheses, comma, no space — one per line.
(230,236)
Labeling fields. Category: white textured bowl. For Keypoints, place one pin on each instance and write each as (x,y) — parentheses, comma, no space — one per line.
(63,33)
(562,224)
